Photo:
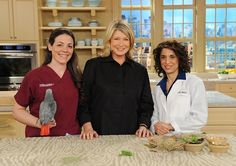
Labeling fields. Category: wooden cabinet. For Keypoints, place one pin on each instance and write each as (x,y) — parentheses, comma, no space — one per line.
(227,88)
(19,20)
(9,127)
(221,120)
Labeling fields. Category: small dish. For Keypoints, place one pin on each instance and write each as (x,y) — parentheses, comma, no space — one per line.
(55,24)
(77,3)
(63,3)
(214,140)
(219,148)
(74,21)
(193,147)
(81,43)
(94,3)
(93,23)
(223,76)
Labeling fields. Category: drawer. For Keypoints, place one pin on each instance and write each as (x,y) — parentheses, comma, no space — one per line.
(221,116)
(217,129)
(226,87)
(9,127)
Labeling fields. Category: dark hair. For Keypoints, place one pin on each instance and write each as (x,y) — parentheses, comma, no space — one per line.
(72,64)
(179,50)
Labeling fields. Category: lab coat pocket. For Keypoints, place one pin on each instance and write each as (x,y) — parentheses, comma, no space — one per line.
(182,105)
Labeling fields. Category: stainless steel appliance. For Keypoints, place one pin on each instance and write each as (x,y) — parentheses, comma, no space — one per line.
(15,61)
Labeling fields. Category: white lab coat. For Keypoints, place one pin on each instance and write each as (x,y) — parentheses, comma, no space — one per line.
(185,107)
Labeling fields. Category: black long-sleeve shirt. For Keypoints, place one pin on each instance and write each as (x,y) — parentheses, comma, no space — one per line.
(115,98)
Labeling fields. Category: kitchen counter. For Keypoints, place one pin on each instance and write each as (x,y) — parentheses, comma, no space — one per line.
(104,151)
(218,99)
(215,99)
(6,100)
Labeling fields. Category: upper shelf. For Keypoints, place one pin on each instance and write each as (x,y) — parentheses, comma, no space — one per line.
(56,9)
(93,48)
(93,29)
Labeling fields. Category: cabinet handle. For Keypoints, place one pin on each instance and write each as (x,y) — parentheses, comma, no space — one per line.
(15,37)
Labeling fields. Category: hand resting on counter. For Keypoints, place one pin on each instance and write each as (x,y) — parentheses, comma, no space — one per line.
(88,133)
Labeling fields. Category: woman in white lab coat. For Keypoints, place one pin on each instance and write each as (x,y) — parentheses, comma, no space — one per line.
(180,104)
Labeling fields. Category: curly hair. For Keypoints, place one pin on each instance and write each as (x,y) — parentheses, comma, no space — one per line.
(179,50)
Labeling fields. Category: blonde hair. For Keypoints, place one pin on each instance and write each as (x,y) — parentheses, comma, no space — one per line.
(124,28)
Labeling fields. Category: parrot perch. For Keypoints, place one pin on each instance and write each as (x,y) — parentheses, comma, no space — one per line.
(47,111)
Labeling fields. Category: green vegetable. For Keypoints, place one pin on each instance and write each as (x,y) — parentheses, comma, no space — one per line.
(223,72)
(126,153)
(193,139)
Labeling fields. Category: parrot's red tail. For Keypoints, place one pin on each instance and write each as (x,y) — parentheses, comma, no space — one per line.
(45,130)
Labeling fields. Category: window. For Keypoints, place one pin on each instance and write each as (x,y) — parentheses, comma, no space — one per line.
(178,22)
(206,27)
(220,33)
(138,14)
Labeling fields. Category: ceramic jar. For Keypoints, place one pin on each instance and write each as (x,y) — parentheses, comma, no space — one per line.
(74,21)
(63,3)
(77,3)
(87,42)
(81,43)
(94,3)
(51,3)
(100,42)
(94,42)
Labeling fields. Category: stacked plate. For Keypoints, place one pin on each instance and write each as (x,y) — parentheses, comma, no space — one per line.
(55,24)
(74,22)
(77,3)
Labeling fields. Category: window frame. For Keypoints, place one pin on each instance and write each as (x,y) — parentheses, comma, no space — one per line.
(198,39)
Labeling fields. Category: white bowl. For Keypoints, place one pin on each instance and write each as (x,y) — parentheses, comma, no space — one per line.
(81,43)
(55,24)
(93,23)
(51,4)
(78,3)
(223,76)
(94,3)
(63,3)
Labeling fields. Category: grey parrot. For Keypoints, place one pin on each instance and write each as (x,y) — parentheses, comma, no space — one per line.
(47,108)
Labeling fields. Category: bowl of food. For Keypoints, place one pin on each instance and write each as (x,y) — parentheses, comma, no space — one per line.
(193,142)
(218,148)
(223,74)
(218,144)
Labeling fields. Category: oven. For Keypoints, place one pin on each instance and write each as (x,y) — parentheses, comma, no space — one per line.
(15,61)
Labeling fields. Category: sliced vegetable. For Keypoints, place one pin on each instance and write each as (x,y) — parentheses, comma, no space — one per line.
(126,153)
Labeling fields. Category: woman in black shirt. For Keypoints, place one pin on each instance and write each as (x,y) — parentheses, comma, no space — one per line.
(115,94)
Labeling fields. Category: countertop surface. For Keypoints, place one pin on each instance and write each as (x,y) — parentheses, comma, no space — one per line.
(218,99)
(215,99)
(104,151)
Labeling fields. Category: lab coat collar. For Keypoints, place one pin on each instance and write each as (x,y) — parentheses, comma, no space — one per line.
(162,83)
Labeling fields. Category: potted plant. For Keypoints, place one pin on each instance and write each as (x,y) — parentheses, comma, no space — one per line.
(223,74)
(193,143)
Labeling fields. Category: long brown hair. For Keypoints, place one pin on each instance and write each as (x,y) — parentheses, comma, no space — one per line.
(72,64)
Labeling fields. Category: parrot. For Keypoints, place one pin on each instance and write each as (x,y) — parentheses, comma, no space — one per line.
(47,111)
